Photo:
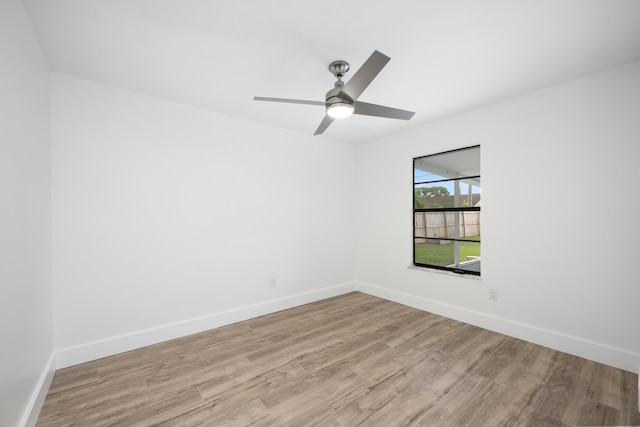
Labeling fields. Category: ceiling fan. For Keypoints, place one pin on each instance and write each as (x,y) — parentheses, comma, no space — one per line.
(342,100)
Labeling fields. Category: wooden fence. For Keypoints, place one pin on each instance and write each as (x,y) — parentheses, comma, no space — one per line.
(441,225)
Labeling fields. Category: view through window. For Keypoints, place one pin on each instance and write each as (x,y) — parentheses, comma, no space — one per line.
(446,211)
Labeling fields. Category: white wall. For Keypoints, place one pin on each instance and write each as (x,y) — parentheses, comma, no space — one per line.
(169,219)
(560,217)
(26,332)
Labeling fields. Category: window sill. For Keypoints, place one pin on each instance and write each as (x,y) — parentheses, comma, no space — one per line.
(448,273)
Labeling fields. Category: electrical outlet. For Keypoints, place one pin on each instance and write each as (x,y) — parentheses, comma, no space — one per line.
(274,283)
(493,294)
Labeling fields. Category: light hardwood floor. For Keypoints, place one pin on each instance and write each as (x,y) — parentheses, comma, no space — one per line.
(346,361)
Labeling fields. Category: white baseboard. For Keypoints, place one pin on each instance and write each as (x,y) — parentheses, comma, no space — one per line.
(95,350)
(568,344)
(30,416)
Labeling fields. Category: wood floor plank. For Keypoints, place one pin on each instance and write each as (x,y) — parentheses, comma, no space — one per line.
(631,418)
(565,389)
(596,413)
(333,369)
(540,419)
(102,402)
(351,360)
(540,359)
(375,398)
(305,408)
(513,402)
(230,348)
(614,387)
(196,376)
(418,333)
(74,377)
(461,402)
(236,411)
(255,383)
(186,408)
(406,405)
(478,352)
(297,347)
(502,362)
(381,364)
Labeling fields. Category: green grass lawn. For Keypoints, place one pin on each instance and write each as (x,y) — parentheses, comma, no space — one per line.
(442,255)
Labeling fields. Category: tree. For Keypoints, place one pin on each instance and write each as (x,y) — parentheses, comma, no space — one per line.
(417,203)
(434,191)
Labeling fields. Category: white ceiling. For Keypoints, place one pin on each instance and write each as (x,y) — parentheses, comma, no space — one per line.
(447,56)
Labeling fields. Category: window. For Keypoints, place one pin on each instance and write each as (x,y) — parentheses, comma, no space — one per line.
(446,211)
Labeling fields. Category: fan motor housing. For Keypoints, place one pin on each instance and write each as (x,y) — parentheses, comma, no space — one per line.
(333,98)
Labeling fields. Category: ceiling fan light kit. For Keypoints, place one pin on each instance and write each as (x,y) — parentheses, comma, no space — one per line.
(342,100)
(339,110)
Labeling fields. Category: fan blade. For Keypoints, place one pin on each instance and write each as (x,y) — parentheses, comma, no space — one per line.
(324,124)
(365,75)
(290,101)
(367,109)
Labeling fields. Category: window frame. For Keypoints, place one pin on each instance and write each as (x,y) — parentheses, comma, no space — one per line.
(460,210)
